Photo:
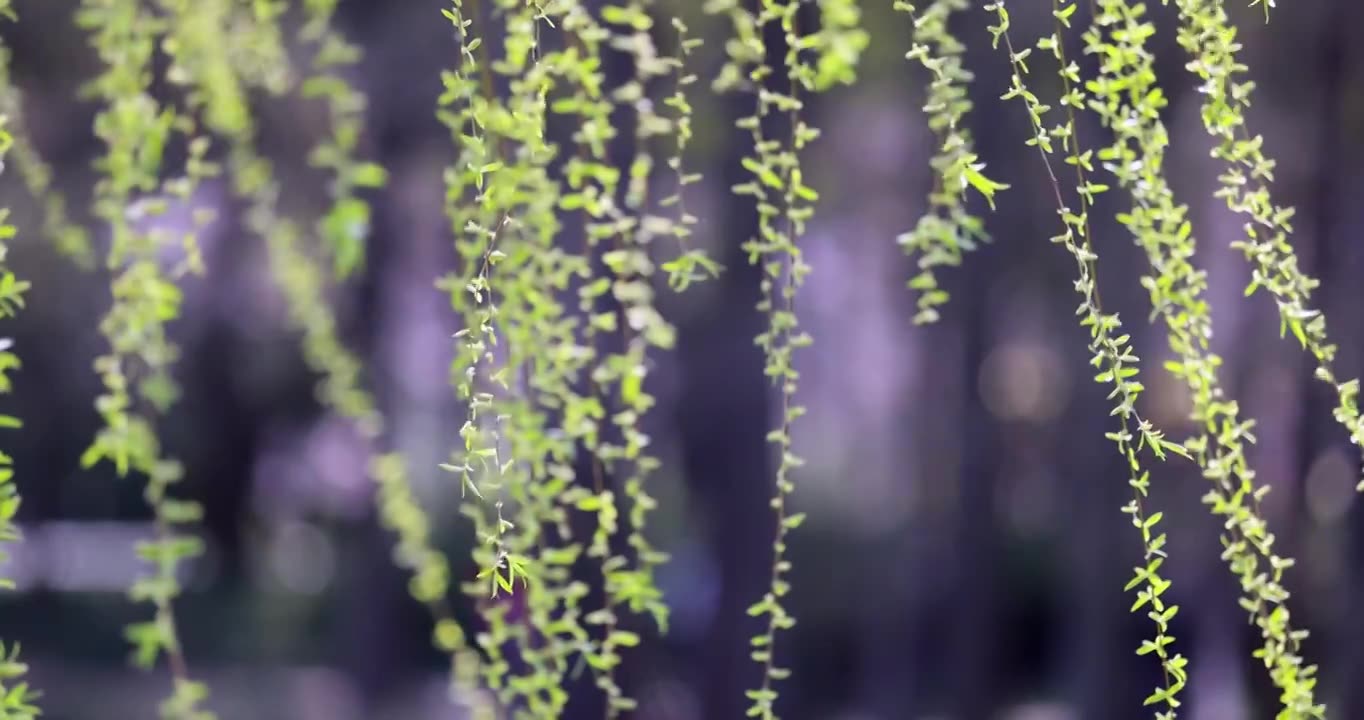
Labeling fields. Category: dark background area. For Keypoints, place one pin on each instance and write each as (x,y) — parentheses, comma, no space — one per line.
(964,555)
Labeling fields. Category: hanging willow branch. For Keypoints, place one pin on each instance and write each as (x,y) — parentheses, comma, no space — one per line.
(17,699)
(1111,351)
(1129,102)
(948,229)
(691,264)
(478,222)
(304,282)
(553,353)
(70,239)
(627,227)
(503,205)
(136,371)
(346,225)
(593,184)
(785,205)
(202,52)
(1210,40)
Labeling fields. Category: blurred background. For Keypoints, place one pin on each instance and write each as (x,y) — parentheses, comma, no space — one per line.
(964,555)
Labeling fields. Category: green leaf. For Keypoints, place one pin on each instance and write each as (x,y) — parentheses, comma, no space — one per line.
(369,175)
(623,638)
(983,185)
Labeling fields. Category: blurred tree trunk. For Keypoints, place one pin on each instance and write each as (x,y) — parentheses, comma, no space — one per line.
(975,635)
(383,628)
(723,416)
(221,423)
(378,617)
(973,607)
(723,420)
(1341,222)
(1106,678)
